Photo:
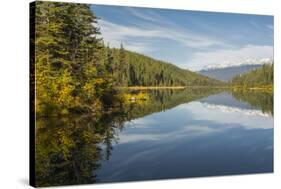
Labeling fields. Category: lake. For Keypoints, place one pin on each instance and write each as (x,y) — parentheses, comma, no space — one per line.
(174,134)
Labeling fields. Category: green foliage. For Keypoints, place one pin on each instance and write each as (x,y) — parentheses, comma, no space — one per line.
(141,97)
(133,69)
(71,66)
(261,100)
(260,77)
(69,148)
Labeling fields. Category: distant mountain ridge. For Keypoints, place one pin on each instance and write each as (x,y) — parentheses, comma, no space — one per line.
(228,73)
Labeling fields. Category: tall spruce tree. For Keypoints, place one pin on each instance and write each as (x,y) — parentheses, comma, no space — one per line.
(122,65)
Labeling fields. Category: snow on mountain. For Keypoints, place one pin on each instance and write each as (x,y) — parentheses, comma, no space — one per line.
(227,70)
(226,64)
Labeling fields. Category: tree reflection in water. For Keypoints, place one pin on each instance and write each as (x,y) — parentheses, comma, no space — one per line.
(70,148)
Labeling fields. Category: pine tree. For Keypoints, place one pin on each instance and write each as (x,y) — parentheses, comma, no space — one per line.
(122,65)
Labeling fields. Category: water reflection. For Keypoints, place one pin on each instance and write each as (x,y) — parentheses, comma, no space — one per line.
(68,148)
(178,133)
(260,100)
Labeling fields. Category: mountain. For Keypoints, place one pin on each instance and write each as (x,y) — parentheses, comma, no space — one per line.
(228,73)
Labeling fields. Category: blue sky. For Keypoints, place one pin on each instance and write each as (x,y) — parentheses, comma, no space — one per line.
(189,39)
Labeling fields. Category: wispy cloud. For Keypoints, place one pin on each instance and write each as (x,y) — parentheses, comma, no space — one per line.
(188,131)
(117,33)
(270,26)
(146,15)
(250,54)
(256,25)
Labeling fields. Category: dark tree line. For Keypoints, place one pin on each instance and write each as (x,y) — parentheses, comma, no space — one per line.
(256,78)
(134,69)
(263,101)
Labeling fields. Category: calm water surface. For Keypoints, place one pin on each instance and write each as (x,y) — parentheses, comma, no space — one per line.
(175,134)
(215,135)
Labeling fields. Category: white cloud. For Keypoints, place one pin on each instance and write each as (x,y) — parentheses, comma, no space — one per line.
(270,26)
(229,116)
(250,54)
(146,15)
(229,109)
(117,33)
(140,47)
(188,131)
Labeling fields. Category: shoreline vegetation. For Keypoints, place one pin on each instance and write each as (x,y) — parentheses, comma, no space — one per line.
(150,87)
(235,87)
(143,96)
(260,79)
(265,88)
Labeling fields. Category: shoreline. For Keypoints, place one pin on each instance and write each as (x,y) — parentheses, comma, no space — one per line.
(166,87)
(266,88)
(261,88)
(151,87)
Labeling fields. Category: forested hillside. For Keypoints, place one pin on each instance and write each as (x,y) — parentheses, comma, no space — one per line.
(133,69)
(260,77)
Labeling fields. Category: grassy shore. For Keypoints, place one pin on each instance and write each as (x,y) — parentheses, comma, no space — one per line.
(263,88)
(167,87)
(151,87)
